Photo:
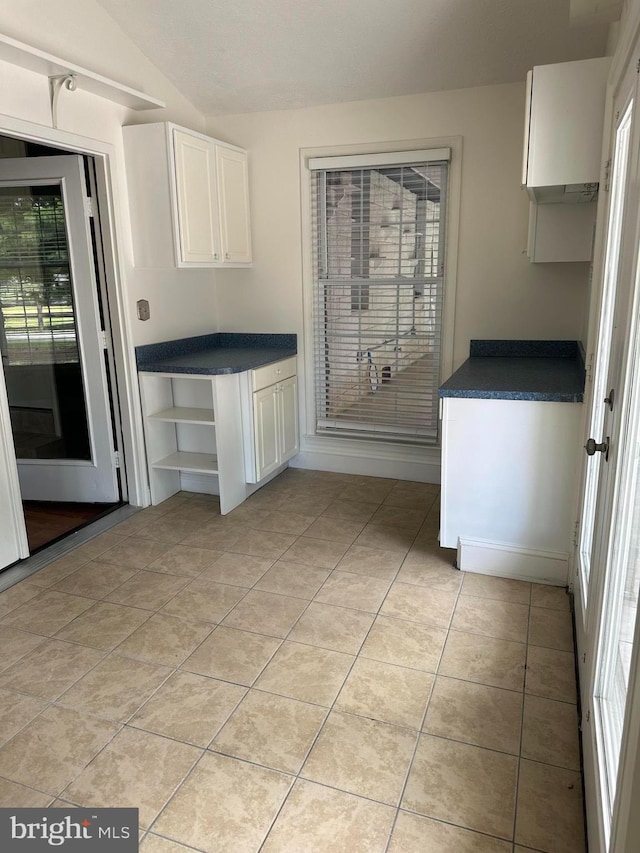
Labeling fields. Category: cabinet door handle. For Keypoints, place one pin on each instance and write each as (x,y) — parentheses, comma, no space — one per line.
(227,255)
(215,256)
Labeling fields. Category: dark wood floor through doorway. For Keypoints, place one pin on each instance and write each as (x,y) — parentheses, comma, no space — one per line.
(47,521)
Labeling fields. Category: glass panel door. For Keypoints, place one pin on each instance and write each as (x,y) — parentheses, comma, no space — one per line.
(622,584)
(603,350)
(52,350)
(606,591)
(38,330)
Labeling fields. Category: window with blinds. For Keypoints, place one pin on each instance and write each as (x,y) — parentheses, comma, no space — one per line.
(379,237)
(37,320)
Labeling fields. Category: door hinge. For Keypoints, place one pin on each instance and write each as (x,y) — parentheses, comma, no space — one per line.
(576,533)
(116,458)
(589,368)
(88,206)
(638,67)
(102,337)
(607,175)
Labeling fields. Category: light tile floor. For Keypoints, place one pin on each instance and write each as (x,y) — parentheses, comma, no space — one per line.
(308,673)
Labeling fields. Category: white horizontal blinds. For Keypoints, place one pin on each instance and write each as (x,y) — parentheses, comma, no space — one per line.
(379,253)
(37,320)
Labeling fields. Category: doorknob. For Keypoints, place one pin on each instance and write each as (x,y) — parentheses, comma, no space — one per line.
(592,447)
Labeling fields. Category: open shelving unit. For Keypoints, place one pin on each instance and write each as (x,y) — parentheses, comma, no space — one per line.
(183,460)
(180,430)
(197,428)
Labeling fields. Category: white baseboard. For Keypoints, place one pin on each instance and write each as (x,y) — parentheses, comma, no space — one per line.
(371,458)
(510,561)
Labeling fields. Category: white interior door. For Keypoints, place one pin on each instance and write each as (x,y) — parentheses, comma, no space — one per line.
(608,564)
(600,393)
(52,346)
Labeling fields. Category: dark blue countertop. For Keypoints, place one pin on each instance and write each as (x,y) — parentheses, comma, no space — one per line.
(216,354)
(551,371)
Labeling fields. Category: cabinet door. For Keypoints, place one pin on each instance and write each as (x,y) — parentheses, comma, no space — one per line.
(561,232)
(196,214)
(288,406)
(571,96)
(266,431)
(233,201)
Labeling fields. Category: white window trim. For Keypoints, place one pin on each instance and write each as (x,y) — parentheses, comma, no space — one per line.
(401,147)
(369,161)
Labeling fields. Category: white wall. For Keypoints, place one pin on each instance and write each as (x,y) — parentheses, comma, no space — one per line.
(183,302)
(499,293)
(80,31)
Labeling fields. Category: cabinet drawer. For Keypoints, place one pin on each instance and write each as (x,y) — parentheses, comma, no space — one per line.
(262,377)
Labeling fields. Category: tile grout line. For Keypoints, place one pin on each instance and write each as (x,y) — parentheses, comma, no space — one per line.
(329,711)
(332,706)
(214,626)
(524,698)
(423,721)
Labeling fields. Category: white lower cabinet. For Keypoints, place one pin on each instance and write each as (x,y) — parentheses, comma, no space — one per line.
(289,435)
(266,422)
(219,434)
(271,408)
(191,426)
(508,480)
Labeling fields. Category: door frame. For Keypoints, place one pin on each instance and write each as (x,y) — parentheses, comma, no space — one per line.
(625,823)
(109,171)
(19,547)
(74,479)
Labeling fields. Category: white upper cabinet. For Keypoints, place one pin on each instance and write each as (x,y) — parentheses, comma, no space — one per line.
(563,130)
(197,237)
(189,198)
(233,201)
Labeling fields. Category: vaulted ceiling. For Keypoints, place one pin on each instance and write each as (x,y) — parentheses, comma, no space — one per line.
(233,56)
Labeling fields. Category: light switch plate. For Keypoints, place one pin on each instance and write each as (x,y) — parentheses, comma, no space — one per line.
(143,309)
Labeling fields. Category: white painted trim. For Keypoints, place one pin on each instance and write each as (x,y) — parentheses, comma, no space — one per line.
(625,829)
(511,561)
(371,458)
(364,161)
(306,356)
(124,355)
(622,834)
(31,58)
(617,74)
